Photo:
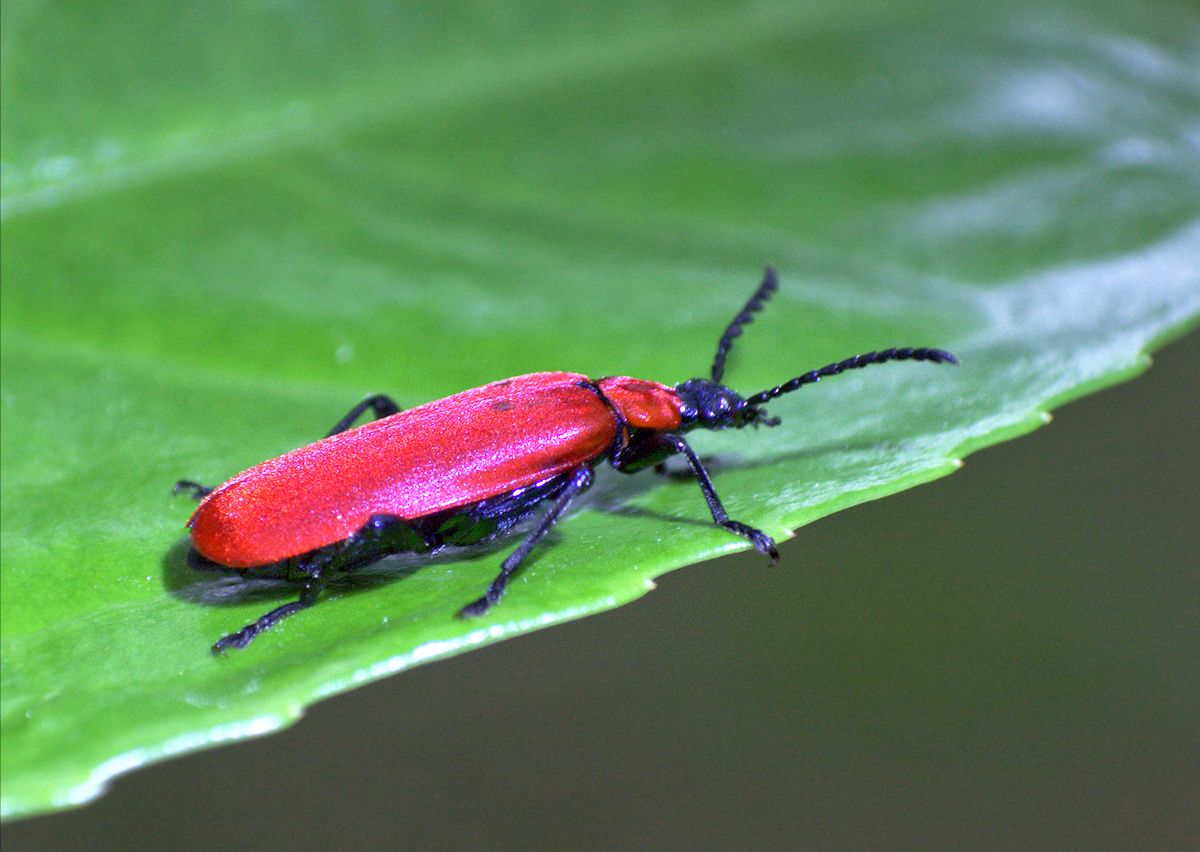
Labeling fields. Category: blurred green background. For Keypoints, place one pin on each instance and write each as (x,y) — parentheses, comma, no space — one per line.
(1005,658)
(223,222)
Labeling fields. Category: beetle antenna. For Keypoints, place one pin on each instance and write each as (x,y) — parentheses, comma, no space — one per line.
(768,286)
(937,356)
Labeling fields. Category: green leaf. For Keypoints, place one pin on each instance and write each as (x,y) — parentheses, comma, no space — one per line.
(223,225)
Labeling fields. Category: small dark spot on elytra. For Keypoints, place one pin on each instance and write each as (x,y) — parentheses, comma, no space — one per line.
(502,405)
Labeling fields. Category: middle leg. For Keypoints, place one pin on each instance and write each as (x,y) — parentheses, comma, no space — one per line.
(581,478)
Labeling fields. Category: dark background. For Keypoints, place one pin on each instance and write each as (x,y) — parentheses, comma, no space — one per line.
(1006,657)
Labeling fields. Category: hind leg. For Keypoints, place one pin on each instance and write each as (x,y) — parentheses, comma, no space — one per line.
(242,638)
(381,536)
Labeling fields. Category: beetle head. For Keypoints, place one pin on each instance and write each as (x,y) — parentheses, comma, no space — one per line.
(710,405)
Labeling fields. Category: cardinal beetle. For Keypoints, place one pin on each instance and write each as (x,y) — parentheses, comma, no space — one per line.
(470,467)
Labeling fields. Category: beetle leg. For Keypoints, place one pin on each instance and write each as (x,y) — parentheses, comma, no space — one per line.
(762,542)
(242,638)
(581,478)
(383,406)
(199,492)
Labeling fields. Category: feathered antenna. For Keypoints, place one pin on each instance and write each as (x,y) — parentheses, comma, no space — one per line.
(937,356)
(769,284)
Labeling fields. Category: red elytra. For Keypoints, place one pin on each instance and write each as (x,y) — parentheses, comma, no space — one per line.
(467,468)
(441,455)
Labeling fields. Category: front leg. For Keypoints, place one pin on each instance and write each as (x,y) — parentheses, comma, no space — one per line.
(653,450)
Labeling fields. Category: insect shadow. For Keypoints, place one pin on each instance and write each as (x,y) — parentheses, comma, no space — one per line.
(195,581)
(616,498)
(190,580)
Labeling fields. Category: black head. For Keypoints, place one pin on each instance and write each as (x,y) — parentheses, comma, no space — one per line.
(708,404)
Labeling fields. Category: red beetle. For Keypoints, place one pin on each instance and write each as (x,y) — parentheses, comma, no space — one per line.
(470,467)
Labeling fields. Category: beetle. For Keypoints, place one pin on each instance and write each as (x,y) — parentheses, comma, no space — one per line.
(471,467)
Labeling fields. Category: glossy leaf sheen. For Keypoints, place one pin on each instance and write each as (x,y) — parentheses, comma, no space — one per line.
(223,226)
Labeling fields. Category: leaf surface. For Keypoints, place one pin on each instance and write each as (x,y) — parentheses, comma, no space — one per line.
(225,225)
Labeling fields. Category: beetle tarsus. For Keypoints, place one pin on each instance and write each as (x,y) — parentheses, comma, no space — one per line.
(476,608)
(199,492)
(762,542)
(236,640)
(380,404)
(243,637)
